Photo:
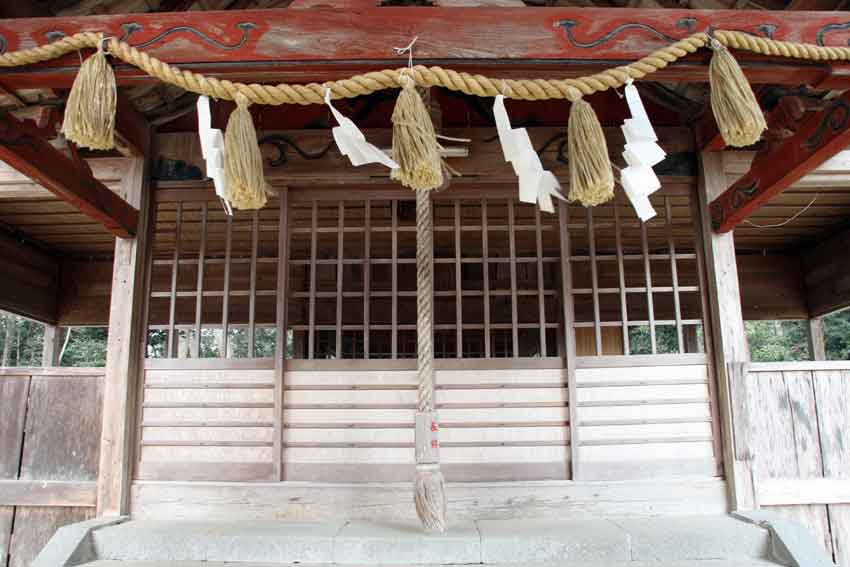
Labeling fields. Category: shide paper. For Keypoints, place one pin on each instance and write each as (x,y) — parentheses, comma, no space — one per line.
(641,152)
(536,185)
(352,143)
(212,150)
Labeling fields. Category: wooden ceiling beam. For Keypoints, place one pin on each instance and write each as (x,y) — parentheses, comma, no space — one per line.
(322,43)
(132,131)
(819,137)
(23,148)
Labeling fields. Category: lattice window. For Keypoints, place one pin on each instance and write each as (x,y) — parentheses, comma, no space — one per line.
(636,286)
(213,282)
(352,279)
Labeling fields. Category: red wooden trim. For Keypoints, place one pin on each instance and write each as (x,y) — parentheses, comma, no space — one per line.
(708,135)
(323,43)
(819,138)
(22,148)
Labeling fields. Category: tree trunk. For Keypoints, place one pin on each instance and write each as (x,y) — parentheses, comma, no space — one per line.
(9,341)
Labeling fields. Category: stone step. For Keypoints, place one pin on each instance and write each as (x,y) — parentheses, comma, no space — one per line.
(492,542)
(684,563)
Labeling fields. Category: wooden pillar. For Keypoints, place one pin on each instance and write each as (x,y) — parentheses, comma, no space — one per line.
(124,350)
(730,349)
(51,345)
(817,344)
(282,325)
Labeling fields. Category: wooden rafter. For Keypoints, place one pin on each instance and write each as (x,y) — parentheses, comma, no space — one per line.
(22,147)
(819,137)
(321,43)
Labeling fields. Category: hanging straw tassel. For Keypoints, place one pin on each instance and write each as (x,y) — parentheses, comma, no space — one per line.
(430,497)
(245,186)
(415,146)
(591,178)
(90,110)
(736,110)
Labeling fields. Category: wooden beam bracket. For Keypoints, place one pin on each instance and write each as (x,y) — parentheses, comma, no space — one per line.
(22,147)
(818,138)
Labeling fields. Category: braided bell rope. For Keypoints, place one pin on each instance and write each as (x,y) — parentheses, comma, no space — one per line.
(424,300)
(479,85)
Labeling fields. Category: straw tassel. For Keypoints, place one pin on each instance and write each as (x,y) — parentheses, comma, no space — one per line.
(90,110)
(736,110)
(243,162)
(415,146)
(591,178)
(430,497)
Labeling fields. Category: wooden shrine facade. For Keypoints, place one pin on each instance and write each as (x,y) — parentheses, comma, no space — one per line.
(278,345)
(535,316)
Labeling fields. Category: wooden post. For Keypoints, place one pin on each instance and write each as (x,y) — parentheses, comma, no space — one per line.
(124,351)
(817,344)
(727,332)
(51,345)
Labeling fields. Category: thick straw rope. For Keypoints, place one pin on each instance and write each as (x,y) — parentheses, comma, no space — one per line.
(479,85)
(424,299)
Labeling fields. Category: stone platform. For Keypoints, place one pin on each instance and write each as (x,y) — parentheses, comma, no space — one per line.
(698,541)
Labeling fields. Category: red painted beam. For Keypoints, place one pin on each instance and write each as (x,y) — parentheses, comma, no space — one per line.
(23,148)
(321,43)
(818,138)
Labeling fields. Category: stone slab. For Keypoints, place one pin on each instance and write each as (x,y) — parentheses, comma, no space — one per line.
(375,543)
(254,541)
(532,540)
(72,544)
(694,537)
(791,542)
(686,563)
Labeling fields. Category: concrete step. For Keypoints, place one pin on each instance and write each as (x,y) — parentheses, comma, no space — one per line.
(685,563)
(608,541)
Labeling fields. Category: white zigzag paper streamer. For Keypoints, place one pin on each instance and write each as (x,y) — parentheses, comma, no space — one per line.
(536,185)
(352,143)
(641,152)
(212,150)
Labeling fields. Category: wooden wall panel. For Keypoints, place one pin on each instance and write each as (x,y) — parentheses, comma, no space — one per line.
(785,443)
(352,426)
(7,514)
(29,285)
(85,289)
(798,433)
(827,275)
(49,431)
(207,425)
(63,429)
(772,287)
(13,401)
(645,422)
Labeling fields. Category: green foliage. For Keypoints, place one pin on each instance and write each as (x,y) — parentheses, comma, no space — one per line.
(777,341)
(86,346)
(25,340)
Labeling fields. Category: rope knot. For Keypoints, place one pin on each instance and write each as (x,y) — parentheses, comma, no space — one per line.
(242,100)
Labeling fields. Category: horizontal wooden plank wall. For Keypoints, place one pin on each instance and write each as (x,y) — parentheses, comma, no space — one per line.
(49,444)
(798,433)
(392,502)
(351,425)
(645,421)
(207,421)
